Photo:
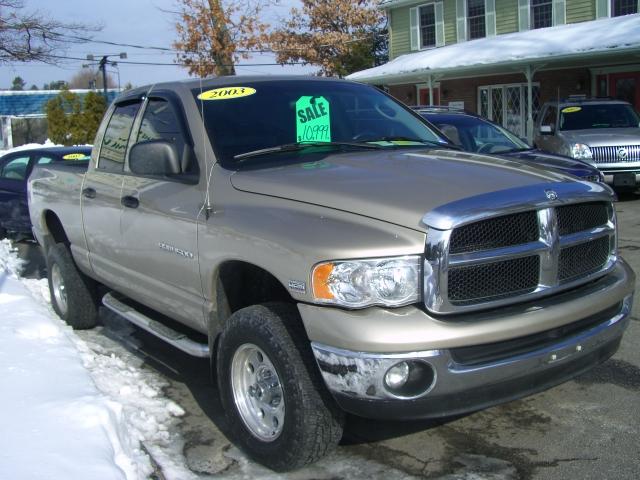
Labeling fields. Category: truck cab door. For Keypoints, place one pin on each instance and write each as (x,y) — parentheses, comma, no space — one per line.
(102,191)
(158,244)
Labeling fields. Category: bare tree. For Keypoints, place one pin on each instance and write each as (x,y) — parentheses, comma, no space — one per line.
(339,36)
(33,36)
(214,34)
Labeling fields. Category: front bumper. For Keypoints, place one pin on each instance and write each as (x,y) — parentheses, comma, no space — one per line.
(469,376)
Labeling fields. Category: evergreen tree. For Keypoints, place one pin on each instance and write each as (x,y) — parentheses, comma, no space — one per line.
(18,84)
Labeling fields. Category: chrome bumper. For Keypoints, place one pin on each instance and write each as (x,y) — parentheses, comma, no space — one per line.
(356,379)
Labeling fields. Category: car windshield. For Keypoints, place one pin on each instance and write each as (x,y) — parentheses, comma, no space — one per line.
(474,134)
(257,122)
(586,116)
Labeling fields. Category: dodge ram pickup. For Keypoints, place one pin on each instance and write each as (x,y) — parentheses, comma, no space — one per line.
(331,253)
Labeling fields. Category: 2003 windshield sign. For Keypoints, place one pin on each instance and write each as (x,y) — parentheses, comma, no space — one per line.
(226,93)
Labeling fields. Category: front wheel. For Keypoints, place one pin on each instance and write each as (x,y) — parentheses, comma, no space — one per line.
(279,411)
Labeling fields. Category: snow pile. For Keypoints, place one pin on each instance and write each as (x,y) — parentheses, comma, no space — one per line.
(617,34)
(69,411)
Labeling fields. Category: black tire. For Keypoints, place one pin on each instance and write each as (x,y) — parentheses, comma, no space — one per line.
(79,291)
(312,423)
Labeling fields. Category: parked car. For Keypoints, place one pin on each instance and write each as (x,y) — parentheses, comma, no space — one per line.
(477,134)
(601,131)
(15,168)
(329,252)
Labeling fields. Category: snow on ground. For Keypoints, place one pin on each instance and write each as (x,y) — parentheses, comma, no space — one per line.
(72,409)
(67,410)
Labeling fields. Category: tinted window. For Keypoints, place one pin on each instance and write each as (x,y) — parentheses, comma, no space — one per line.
(116,138)
(161,123)
(284,112)
(581,117)
(16,168)
(476,135)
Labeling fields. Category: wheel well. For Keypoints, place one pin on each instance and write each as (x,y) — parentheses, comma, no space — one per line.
(55,228)
(241,284)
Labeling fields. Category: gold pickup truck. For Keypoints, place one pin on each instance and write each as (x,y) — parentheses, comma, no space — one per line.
(331,252)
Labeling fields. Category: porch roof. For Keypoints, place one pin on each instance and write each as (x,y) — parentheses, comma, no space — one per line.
(566,45)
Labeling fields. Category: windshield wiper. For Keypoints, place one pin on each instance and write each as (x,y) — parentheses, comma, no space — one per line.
(416,140)
(294,147)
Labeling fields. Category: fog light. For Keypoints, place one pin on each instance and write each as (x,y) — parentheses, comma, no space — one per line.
(410,379)
(397,376)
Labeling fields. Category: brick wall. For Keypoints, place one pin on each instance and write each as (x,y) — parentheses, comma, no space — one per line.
(566,82)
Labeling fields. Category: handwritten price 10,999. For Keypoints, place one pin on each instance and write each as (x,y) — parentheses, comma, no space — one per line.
(315,133)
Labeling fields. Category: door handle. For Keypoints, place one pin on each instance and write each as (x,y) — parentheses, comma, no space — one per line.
(130,202)
(89,192)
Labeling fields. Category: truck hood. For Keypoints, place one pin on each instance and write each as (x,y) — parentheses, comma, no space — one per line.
(603,137)
(394,186)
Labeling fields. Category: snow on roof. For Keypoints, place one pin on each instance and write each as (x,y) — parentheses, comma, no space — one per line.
(610,35)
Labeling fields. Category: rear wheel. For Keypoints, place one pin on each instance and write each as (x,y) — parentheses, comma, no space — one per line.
(72,293)
(279,410)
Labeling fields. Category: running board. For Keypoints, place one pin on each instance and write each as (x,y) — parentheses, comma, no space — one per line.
(160,330)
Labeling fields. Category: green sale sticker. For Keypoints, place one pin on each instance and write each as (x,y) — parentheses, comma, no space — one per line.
(313,119)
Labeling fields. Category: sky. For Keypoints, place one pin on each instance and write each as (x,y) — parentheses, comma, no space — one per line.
(139,22)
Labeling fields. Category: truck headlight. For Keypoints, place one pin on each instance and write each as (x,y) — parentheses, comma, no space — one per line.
(580,151)
(391,282)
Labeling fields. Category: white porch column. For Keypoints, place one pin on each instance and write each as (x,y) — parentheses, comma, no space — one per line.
(430,85)
(529,72)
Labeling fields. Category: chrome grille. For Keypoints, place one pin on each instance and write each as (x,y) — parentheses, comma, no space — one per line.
(616,154)
(495,233)
(488,262)
(583,259)
(583,216)
(492,281)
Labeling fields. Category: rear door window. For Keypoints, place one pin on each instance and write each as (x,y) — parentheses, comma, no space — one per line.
(116,138)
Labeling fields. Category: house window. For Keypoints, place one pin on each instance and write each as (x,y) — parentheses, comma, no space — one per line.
(427,26)
(475,19)
(623,7)
(541,13)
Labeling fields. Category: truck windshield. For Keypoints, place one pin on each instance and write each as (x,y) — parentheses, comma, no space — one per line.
(585,116)
(256,119)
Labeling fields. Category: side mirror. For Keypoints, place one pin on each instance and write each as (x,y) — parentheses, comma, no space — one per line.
(546,130)
(154,157)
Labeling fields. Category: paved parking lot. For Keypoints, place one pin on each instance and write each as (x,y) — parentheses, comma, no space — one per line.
(588,428)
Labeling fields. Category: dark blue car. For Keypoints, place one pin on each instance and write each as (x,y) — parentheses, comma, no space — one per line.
(15,168)
(474,133)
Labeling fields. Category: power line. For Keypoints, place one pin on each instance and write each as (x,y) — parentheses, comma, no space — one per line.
(178,64)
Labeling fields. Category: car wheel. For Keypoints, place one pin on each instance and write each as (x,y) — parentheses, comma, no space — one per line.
(72,293)
(279,410)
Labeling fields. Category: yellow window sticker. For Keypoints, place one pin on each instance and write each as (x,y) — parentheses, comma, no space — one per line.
(226,93)
(571,109)
(75,156)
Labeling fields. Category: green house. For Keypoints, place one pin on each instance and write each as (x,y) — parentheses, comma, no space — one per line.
(505,58)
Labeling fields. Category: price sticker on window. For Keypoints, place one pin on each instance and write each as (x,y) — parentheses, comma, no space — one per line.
(313,119)
(571,109)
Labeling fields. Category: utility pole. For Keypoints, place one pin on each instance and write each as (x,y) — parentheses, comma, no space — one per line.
(102,65)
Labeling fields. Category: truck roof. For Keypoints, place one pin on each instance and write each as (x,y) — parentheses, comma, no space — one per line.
(213,82)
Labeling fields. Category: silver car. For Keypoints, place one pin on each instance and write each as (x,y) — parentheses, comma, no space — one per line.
(600,131)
